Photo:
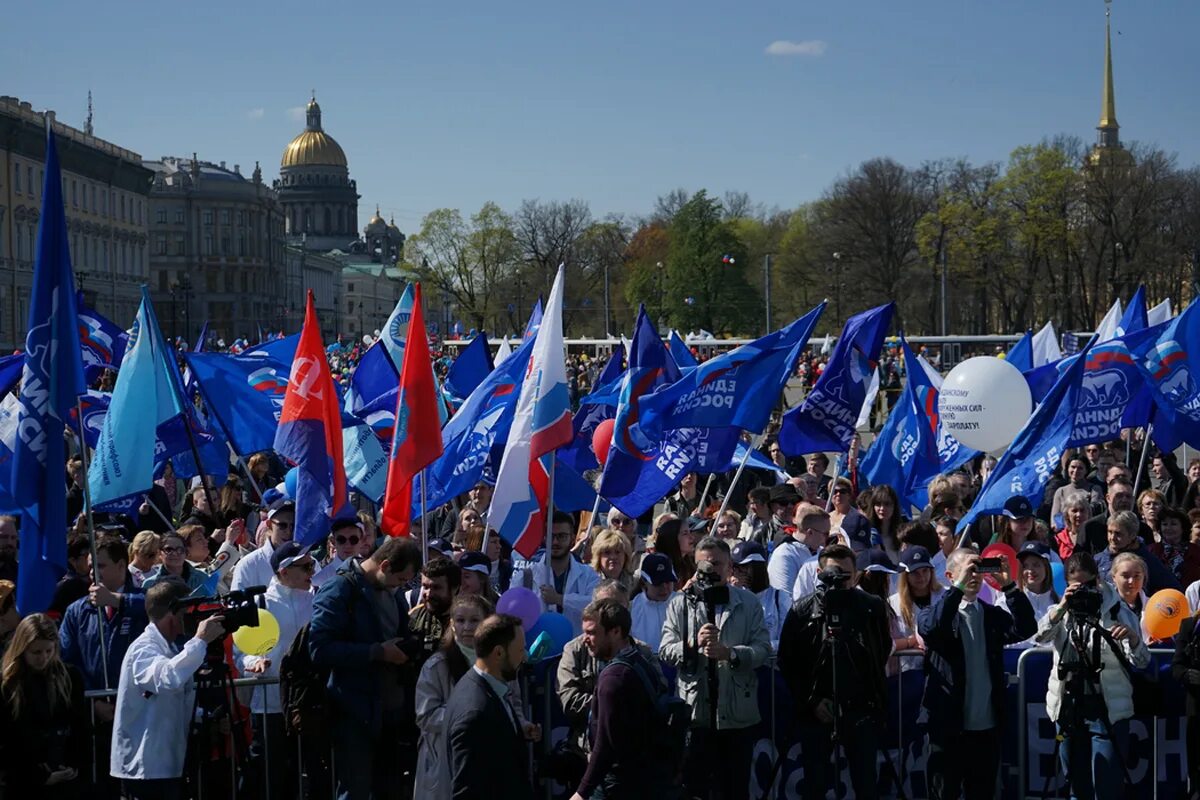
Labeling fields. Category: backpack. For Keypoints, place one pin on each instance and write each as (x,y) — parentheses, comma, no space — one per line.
(672,716)
(303,692)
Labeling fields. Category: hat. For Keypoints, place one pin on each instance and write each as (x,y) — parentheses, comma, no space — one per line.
(475,561)
(284,504)
(287,554)
(442,546)
(1017,507)
(1034,549)
(345,522)
(697,523)
(746,552)
(657,569)
(271,496)
(914,557)
(785,493)
(875,561)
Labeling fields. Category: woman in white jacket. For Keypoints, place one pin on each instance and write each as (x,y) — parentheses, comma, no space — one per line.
(1092,746)
(438,678)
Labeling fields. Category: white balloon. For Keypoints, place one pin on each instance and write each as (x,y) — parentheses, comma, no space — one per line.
(984,403)
(367,340)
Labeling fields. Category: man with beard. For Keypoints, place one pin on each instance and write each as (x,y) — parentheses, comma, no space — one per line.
(486,748)
(440,580)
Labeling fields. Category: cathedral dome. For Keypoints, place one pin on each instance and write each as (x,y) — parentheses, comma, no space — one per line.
(313,147)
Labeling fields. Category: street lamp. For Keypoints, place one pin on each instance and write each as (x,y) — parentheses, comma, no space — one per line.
(835,273)
(662,312)
(182,289)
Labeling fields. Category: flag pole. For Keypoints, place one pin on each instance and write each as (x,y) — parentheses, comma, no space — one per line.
(704,494)
(158,511)
(550,510)
(1142,460)
(208,405)
(424,528)
(87,506)
(754,443)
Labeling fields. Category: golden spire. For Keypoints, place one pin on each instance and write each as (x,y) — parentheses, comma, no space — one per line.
(1108,107)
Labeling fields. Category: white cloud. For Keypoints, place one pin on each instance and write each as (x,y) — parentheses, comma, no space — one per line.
(809,47)
(256,113)
(296,113)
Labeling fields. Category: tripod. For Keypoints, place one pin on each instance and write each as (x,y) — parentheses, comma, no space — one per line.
(209,745)
(1082,680)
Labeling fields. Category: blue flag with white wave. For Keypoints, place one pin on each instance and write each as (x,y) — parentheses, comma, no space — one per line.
(680,351)
(52,379)
(1170,362)
(102,340)
(1020,355)
(1035,454)
(245,393)
(643,467)
(471,368)
(826,420)
(904,438)
(737,389)
(594,408)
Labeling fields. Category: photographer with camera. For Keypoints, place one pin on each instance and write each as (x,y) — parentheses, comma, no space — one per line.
(964,675)
(156,696)
(832,653)
(1097,643)
(716,637)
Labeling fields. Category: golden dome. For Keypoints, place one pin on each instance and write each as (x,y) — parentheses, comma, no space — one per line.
(312,148)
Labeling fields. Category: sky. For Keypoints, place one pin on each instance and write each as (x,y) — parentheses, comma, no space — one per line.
(615,103)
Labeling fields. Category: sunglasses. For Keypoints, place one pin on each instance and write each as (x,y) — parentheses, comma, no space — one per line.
(278,524)
(307,566)
(622,521)
(346,539)
(841,491)
(171,549)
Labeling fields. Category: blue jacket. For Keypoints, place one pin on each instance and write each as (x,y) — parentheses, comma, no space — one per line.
(945,663)
(346,637)
(79,635)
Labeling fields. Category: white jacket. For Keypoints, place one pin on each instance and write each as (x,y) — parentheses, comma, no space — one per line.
(1114,685)
(775,605)
(292,609)
(254,569)
(577,592)
(784,564)
(649,616)
(155,696)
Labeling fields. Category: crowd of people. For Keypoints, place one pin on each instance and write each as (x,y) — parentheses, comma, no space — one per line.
(394,676)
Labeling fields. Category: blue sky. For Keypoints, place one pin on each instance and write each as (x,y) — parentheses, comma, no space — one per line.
(615,102)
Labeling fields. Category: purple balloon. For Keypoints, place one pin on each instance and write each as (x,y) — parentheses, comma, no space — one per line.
(521,603)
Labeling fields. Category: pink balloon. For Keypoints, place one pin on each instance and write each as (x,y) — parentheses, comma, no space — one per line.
(999,550)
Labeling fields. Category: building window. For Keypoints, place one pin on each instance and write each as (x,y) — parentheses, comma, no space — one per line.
(93,198)
(161,216)
(139,208)
(20,242)
(224,216)
(225,244)
(350,307)
(208,244)
(74,194)
(160,244)
(179,216)
(17,177)
(179,245)
(84,198)
(241,217)
(242,245)
(349,288)
(164,281)
(207,216)
(29,175)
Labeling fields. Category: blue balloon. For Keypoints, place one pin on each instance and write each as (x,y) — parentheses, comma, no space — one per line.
(289,482)
(1059,578)
(556,627)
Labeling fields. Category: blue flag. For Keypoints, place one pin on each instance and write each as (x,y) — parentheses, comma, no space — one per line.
(52,379)
(281,349)
(1170,362)
(571,491)
(535,322)
(470,369)
(1135,317)
(102,340)
(680,352)
(643,466)
(145,398)
(737,389)
(594,408)
(473,440)
(245,393)
(1035,454)
(11,368)
(1020,355)
(826,420)
(203,340)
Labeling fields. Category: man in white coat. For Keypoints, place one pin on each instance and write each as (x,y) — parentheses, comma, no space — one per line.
(564,584)
(155,696)
(289,598)
(255,569)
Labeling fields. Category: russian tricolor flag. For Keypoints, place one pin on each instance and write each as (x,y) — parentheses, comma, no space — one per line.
(541,425)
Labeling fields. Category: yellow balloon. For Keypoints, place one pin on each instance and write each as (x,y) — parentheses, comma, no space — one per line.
(261,639)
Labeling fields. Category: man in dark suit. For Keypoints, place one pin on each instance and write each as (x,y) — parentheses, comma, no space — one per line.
(1119,498)
(485,746)
(964,677)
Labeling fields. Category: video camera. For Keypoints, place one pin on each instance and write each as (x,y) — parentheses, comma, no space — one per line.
(1086,602)
(835,596)
(236,609)
(708,588)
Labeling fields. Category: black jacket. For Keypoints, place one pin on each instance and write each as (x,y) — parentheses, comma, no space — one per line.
(1187,660)
(486,752)
(861,661)
(945,662)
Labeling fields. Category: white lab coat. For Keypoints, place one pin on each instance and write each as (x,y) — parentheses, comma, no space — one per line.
(785,563)
(292,609)
(255,568)
(649,616)
(155,696)
(577,592)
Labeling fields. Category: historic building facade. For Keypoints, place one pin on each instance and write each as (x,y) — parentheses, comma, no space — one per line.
(106,198)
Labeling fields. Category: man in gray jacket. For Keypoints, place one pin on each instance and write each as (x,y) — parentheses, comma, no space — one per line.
(730,649)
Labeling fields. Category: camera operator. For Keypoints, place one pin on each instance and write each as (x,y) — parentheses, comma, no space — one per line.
(832,652)
(155,698)
(716,637)
(1185,669)
(964,676)
(1097,641)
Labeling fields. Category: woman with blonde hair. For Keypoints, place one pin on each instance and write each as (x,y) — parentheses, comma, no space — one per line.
(143,555)
(612,558)
(1150,505)
(43,715)
(917,588)
(728,526)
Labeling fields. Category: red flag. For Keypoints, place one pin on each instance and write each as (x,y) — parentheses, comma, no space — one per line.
(417,437)
(310,434)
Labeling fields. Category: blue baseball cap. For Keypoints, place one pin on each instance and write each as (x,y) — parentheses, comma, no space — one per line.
(1017,507)
(1040,549)
(914,558)
(875,561)
(287,554)
(475,561)
(657,569)
(745,552)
